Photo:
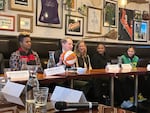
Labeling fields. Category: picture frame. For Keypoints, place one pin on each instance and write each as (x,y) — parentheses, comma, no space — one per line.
(2,4)
(18,5)
(25,23)
(7,22)
(110,13)
(94,19)
(41,19)
(141,31)
(73,6)
(74,25)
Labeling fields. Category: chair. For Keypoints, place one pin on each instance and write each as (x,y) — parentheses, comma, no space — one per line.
(1,63)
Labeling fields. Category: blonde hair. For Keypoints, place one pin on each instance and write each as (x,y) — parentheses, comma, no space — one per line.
(76,49)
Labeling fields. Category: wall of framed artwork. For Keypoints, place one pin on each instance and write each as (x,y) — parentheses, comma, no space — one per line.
(141,31)
(74,25)
(48,17)
(94,19)
(22,5)
(2,4)
(25,23)
(110,13)
(7,22)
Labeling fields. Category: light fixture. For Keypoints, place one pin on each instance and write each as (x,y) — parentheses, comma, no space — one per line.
(122,3)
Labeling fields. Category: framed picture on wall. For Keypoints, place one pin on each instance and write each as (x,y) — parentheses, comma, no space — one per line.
(25,23)
(110,13)
(7,22)
(49,16)
(2,4)
(141,31)
(73,5)
(74,25)
(94,19)
(22,5)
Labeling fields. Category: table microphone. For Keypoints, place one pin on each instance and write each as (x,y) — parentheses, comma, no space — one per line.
(65,105)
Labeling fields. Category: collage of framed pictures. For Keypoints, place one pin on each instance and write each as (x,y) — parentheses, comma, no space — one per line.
(94,19)
(7,22)
(74,25)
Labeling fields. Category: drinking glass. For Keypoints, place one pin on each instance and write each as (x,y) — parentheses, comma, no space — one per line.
(40,97)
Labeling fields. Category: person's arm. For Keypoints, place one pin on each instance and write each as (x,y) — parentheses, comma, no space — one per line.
(14,61)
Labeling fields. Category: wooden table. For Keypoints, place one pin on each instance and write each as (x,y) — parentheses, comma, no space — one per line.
(95,73)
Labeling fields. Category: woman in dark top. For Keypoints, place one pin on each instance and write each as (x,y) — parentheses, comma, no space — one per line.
(100,87)
(100,59)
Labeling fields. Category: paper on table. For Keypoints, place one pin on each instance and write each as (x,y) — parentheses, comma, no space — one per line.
(18,75)
(67,95)
(13,89)
(16,100)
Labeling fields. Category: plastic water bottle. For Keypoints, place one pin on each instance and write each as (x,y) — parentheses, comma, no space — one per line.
(51,61)
(24,64)
(31,83)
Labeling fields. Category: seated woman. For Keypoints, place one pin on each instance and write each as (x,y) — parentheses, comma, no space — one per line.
(100,87)
(125,86)
(83,59)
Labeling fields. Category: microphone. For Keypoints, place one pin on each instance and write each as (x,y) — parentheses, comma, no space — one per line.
(64,105)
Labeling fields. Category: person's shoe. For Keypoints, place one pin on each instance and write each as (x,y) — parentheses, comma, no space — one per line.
(126,104)
(141,98)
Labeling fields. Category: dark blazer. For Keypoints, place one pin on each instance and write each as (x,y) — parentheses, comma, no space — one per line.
(57,55)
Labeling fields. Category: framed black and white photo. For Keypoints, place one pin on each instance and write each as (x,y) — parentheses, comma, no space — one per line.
(94,19)
(141,31)
(51,16)
(110,13)
(74,25)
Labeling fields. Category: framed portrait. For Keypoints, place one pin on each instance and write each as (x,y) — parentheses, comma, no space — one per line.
(110,13)
(73,5)
(74,25)
(25,23)
(7,22)
(94,19)
(22,5)
(2,4)
(141,31)
(49,16)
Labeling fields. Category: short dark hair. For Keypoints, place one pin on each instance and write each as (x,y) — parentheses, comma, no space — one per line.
(22,36)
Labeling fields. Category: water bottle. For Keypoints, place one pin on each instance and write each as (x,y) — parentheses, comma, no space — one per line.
(51,61)
(119,61)
(23,64)
(31,83)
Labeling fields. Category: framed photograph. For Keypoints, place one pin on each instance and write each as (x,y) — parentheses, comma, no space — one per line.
(74,25)
(94,19)
(25,23)
(7,22)
(22,5)
(73,5)
(141,31)
(47,16)
(110,13)
(2,4)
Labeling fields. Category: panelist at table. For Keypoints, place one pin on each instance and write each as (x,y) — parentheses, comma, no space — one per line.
(24,53)
(66,45)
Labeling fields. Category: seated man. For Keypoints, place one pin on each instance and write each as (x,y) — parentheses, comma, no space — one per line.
(24,52)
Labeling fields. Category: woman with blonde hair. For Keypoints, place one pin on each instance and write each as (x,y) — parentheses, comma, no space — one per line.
(83,59)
